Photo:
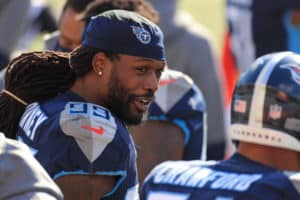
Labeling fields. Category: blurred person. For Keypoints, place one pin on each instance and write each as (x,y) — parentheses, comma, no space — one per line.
(26,19)
(264,125)
(175,125)
(74,17)
(21,176)
(80,135)
(40,20)
(189,49)
(257,27)
(15,12)
(142,7)
(69,32)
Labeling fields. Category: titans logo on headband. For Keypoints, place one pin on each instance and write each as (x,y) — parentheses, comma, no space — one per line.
(141,34)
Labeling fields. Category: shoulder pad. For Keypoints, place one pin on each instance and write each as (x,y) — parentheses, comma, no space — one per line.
(180,101)
(172,86)
(92,126)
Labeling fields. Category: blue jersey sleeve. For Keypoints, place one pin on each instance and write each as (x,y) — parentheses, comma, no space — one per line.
(81,139)
(191,180)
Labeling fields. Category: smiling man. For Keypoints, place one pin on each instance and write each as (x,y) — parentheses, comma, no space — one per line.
(80,137)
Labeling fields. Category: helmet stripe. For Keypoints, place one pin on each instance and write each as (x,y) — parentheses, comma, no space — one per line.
(257,104)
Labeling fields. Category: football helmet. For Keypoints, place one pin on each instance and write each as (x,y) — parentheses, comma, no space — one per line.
(265,106)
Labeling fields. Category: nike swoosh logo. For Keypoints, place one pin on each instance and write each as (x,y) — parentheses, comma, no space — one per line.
(166,82)
(99,130)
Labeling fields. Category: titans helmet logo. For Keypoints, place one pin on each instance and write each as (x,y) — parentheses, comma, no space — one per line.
(141,34)
(295,71)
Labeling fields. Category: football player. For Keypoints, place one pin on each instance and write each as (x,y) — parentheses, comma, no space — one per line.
(264,124)
(175,125)
(80,136)
(178,114)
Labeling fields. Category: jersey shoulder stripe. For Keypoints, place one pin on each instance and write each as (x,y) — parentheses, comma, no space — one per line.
(92,126)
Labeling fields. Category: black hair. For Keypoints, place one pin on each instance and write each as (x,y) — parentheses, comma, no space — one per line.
(81,59)
(76,5)
(141,7)
(32,77)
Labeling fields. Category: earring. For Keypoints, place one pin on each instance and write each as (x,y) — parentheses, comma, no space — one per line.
(100,73)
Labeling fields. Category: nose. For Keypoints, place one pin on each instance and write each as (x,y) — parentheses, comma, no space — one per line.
(152,82)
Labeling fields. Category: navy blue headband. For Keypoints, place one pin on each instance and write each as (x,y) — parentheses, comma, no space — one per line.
(125,32)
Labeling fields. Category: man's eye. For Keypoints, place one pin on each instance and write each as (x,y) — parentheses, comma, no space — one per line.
(141,69)
(159,72)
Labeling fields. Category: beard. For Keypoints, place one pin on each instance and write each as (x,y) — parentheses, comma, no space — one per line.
(119,101)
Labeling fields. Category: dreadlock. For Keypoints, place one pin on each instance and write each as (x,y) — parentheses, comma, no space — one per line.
(81,59)
(32,77)
(140,6)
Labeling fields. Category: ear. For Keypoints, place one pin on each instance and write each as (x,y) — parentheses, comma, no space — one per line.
(98,62)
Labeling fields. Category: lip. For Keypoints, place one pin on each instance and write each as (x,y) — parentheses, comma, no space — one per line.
(142,103)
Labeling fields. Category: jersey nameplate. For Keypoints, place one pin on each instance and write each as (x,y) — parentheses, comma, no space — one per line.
(31,119)
(199,177)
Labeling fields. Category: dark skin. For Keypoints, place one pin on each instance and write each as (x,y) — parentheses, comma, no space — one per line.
(285,159)
(156,141)
(95,186)
(129,76)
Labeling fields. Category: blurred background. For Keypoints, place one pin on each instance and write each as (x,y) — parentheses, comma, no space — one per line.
(209,13)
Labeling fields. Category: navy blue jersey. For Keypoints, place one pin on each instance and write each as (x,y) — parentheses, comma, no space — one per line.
(71,136)
(237,178)
(258,27)
(295,178)
(179,101)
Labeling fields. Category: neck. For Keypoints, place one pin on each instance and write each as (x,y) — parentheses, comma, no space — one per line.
(278,158)
(87,88)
